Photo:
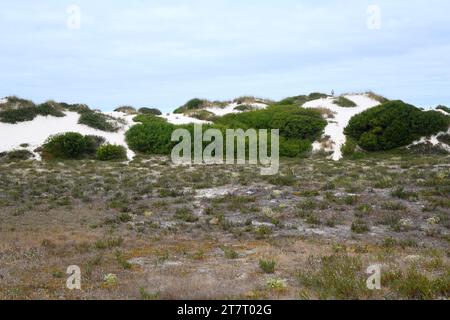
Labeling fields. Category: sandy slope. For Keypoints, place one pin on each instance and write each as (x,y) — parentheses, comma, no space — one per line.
(336,126)
(231,108)
(181,119)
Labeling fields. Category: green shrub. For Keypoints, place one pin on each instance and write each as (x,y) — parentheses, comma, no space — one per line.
(202,115)
(70,145)
(92,144)
(349,148)
(267,266)
(98,121)
(151,137)
(293,122)
(191,105)
(292,148)
(344,102)
(126,109)
(394,124)
(110,152)
(152,111)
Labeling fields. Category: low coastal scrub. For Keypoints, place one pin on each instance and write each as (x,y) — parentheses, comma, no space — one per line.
(192,104)
(110,152)
(98,121)
(293,122)
(344,102)
(394,124)
(126,109)
(302,99)
(298,128)
(151,111)
(71,145)
(24,110)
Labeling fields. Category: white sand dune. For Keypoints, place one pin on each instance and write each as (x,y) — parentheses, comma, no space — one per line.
(336,126)
(35,132)
(231,108)
(175,118)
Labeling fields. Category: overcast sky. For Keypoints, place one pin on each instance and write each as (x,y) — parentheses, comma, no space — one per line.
(162,53)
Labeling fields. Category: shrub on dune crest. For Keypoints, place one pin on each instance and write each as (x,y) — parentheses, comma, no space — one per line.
(18,112)
(394,124)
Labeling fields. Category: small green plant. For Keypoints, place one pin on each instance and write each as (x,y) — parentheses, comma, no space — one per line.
(148,296)
(344,102)
(122,261)
(98,121)
(230,253)
(360,226)
(109,152)
(267,266)
(276,284)
(186,215)
(337,276)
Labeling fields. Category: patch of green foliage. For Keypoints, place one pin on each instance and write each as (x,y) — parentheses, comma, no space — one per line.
(302,99)
(126,109)
(110,152)
(98,121)
(293,122)
(152,136)
(394,124)
(298,128)
(70,145)
(202,115)
(23,110)
(344,102)
(151,111)
(192,104)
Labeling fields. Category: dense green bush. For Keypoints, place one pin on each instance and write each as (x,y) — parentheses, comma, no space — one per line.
(152,111)
(71,145)
(126,109)
(298,128)
(294,148)
(191,105)
(29,113)
(293,122)
(394,124)
(151,136)
(98,121)
(344,102)
(110,152)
